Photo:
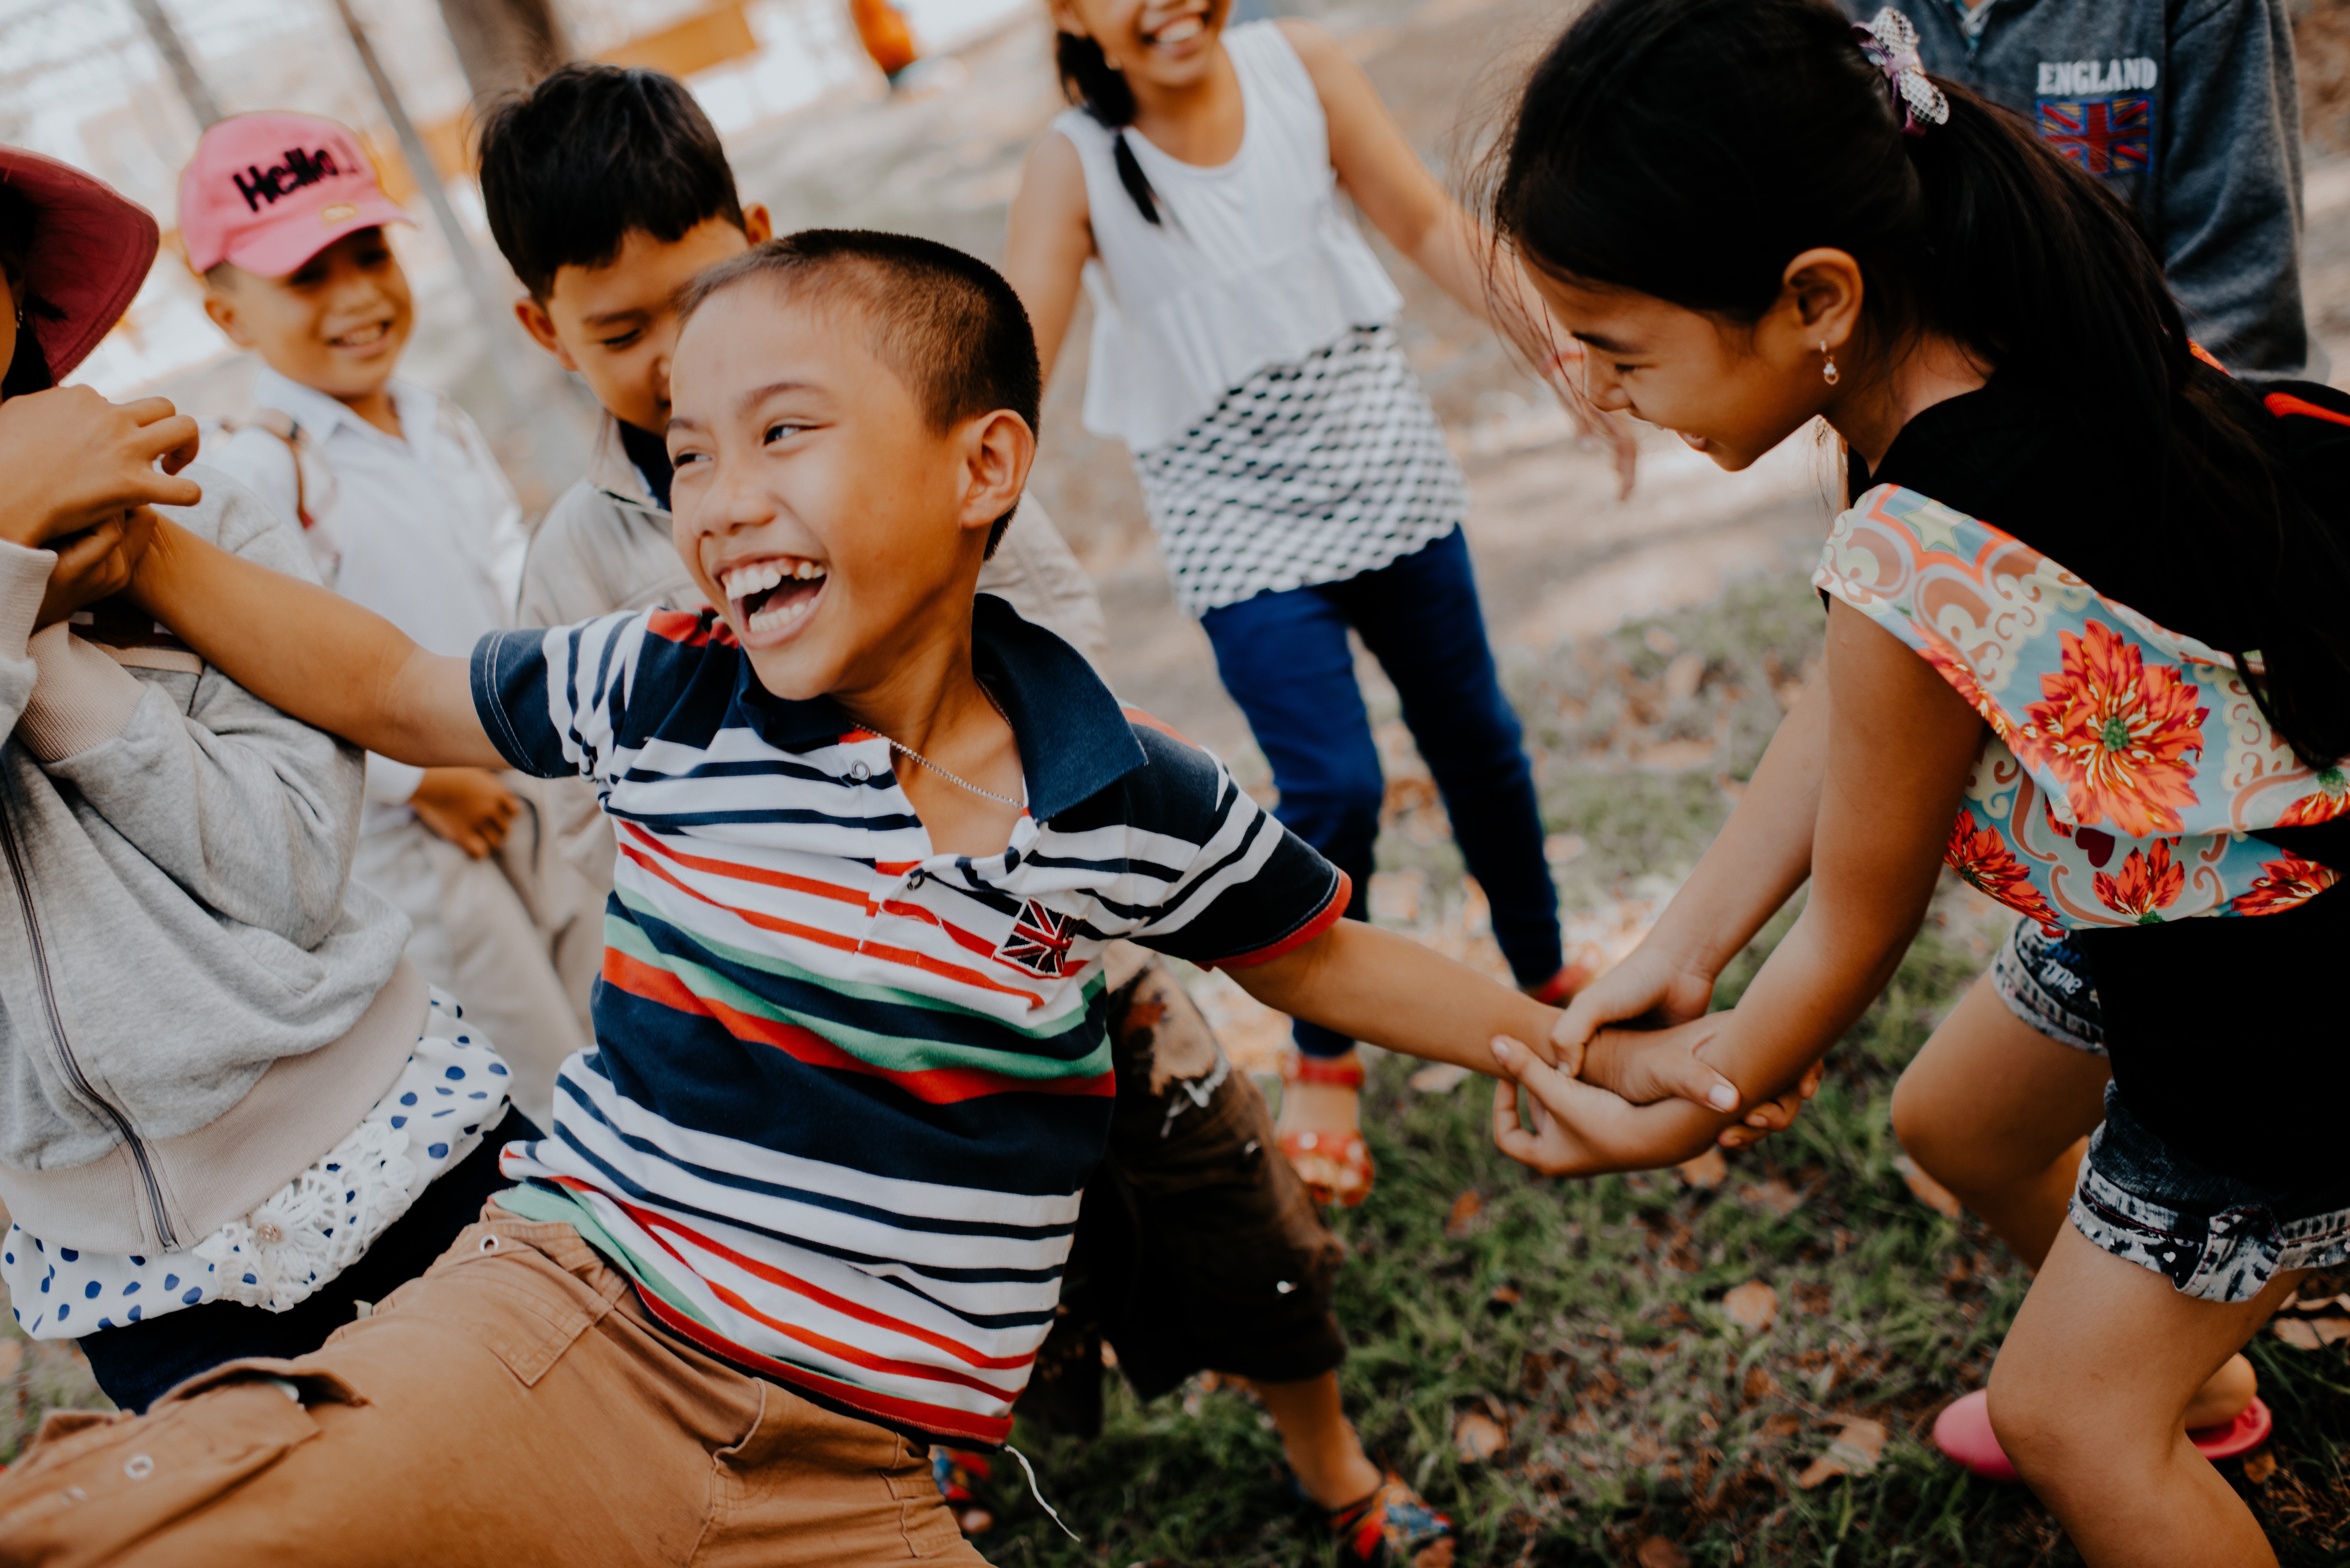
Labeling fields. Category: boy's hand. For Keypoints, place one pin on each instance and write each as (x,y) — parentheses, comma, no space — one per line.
(1580,1129)
(467,807)
(95,564)
(75,460)
(1648,989)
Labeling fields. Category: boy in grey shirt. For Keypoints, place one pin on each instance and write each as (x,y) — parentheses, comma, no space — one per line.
(2187,110)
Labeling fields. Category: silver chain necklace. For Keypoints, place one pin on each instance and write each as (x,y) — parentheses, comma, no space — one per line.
(922,761)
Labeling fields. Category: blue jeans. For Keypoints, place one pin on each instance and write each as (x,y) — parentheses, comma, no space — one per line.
(1283,657)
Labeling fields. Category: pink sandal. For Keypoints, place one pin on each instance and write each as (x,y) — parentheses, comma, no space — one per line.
(1963,1431)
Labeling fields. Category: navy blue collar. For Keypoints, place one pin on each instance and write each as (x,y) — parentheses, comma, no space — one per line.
(1075,741)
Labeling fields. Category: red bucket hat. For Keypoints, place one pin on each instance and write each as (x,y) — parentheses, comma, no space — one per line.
(92,249)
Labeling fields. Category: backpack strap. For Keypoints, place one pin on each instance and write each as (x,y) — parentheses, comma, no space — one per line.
(286,428)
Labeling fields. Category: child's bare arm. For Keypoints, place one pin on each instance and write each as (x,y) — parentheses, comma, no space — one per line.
(1900,743)
(1051,236)
(314,654)
(1388,989)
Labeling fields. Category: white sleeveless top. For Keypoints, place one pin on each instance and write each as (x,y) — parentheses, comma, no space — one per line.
(1252,265)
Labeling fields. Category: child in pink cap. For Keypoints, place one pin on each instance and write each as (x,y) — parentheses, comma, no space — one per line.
(405,511)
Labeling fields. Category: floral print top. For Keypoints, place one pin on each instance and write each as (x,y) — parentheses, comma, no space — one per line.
(2127,765)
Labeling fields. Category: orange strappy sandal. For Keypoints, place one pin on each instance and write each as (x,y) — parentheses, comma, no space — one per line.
(1335,1163)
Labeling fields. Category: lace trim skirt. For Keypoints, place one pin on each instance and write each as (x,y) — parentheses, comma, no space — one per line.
(450,1094)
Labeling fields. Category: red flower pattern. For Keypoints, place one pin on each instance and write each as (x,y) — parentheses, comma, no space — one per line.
(2117,734)
(1983,858)
(2149,884)
(2329,800)
(2285,884)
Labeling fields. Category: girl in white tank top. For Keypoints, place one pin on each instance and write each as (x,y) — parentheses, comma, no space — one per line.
(1300,486)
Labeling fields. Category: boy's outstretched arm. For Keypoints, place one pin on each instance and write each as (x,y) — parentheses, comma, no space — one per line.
(313,654)
(1388,990)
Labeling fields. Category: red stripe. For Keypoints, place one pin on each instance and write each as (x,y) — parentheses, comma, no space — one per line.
(931,1086)
(936,1419)
(907,957)
(654,1223)
(2283,403)
(1329,916)
(685,628)
(813,885)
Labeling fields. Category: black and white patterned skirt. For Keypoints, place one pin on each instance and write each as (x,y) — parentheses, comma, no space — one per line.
(1305,474)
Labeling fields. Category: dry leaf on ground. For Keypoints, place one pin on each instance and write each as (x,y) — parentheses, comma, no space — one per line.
(2330,1329)
(1926,1190)
(1477,1436)
(12,1356)
(1708,1170)
(1506,1296)
(2260,1467)
(1854,1452)
(1773,1194)
(1465,1209)
(1659,1552)
(1752,1306)
(1759,1384)
(1438,1078)
(2296,1332)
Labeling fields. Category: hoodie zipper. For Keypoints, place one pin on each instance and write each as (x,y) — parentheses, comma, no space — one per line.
(81,1083)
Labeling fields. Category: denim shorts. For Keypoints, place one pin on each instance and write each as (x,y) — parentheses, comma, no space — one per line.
(2214,1237)
(2044,983)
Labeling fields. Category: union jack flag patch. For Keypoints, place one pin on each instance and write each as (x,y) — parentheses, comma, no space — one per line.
(2102,135)
(1040,940)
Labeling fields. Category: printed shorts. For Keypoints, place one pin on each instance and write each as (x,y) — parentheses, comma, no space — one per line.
(2044,983)
(2214,1237)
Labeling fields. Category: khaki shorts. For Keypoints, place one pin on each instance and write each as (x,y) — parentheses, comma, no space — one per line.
(513,1406)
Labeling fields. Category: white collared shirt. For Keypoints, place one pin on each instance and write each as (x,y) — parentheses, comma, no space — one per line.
(421,528)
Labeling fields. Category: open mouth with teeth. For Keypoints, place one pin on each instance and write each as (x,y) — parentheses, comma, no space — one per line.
(366,336)
(769,598)
(1181,30)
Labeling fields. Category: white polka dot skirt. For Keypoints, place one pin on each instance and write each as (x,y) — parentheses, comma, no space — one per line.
(447,1098)
(1305,474)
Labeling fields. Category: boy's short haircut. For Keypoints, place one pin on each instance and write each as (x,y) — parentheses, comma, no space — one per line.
(946,322)
(574,164)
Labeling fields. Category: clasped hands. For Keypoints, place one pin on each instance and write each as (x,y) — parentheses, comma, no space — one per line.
(82,476)
(1628,1086)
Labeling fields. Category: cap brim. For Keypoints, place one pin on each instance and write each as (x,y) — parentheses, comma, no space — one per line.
(92,247)
(276,250)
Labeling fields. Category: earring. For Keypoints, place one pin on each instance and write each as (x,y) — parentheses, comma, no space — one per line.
(1828,371)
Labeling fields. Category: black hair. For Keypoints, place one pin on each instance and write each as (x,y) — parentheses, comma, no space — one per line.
(1088,81)
(947,322)
(591,153)
(1689,149)
(28,368)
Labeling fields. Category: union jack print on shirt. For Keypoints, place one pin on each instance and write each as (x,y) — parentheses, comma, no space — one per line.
(847,1092)
(2102,135)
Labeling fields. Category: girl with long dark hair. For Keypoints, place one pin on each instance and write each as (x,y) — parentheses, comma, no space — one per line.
(2084,646)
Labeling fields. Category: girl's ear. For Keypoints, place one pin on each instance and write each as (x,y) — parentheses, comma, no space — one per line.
(1820,296)
(1066,20)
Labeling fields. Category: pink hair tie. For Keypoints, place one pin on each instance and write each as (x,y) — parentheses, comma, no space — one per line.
(1890,42)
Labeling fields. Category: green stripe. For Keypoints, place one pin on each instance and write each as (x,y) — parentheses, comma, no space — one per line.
(890,1052)
(559,1208)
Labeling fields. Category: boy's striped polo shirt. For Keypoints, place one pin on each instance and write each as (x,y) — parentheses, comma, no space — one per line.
(846,1092)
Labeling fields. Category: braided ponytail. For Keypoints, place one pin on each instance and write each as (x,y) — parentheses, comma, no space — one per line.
(1088,81)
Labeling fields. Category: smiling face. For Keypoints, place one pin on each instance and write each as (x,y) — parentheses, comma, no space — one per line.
(337,323)
(1730,389)
(1167,44)
(617,324)
(840,534)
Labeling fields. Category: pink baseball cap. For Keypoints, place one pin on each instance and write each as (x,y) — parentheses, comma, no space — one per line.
(92,249)
(268,191)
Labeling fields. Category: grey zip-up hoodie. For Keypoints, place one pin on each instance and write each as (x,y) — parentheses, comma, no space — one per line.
(195,1000)
(2188,109)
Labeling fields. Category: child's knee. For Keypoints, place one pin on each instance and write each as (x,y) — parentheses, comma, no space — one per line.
(1924,1123)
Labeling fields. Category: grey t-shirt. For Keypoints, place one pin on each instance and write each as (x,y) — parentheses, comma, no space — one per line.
(2187,109)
